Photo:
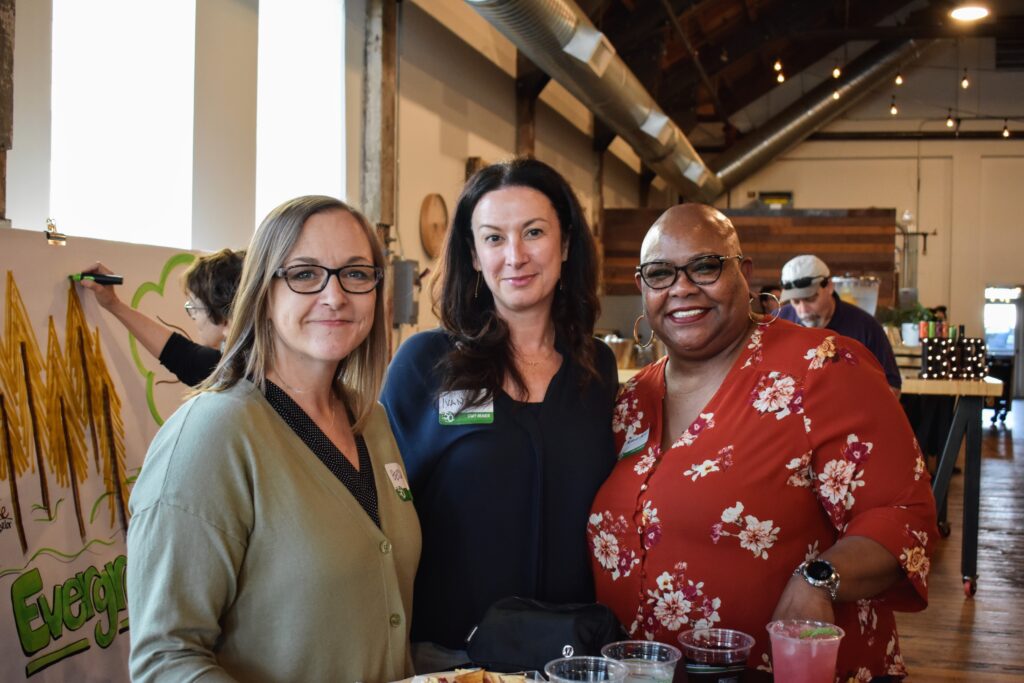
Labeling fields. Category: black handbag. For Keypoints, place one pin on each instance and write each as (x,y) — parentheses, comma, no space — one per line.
(519,634)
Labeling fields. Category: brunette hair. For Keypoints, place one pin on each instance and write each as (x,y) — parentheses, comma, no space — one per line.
(482,358)
(249,348)
(213,279)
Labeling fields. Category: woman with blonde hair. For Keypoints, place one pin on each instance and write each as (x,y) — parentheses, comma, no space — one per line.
(273,537)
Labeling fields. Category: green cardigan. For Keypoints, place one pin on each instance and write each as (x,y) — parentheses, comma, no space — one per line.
(248,560)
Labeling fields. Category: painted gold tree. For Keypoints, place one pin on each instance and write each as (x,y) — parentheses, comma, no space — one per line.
(14,459)
(69,460)
(22,352)
(111,438)
(81,362)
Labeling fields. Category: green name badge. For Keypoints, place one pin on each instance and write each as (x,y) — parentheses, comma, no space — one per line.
(452,410)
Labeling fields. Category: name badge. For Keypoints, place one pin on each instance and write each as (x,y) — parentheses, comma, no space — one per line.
(634,443)
(397,477)
(451,409)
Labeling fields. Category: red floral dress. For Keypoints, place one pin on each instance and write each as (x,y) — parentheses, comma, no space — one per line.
(803,444)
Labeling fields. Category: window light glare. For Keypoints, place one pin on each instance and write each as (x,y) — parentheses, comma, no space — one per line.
(969,12)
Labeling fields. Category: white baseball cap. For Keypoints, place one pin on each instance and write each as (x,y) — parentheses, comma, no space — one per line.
(803,276)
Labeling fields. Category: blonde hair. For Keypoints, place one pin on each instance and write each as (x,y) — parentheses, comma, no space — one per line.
(249,348)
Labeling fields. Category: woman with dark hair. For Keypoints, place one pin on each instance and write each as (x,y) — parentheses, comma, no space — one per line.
(273,537)
(503,414)
(210,283)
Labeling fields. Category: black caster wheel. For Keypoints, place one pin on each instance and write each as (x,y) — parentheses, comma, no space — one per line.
(944,529)
(970,586)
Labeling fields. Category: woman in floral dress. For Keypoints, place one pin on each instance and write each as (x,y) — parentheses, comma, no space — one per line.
(752,447)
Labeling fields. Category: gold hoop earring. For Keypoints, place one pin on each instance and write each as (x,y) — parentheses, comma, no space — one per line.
(636,333)
(763,318)
(476,289)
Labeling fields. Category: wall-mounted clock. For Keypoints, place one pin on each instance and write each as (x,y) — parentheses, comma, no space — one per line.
(433,224)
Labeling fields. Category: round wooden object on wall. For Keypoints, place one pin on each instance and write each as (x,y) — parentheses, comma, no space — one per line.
(433,224)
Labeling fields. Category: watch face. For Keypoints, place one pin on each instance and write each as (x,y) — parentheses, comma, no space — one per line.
(819,570)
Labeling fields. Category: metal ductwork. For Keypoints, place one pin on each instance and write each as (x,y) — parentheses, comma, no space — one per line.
(559,38)
(813,111)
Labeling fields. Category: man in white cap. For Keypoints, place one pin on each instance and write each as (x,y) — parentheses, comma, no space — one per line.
(810,299)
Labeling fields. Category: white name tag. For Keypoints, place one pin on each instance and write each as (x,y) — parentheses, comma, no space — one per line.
(397,477)
(634,443)
(451,409)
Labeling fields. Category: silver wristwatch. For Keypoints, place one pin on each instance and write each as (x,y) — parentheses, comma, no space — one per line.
(820,574)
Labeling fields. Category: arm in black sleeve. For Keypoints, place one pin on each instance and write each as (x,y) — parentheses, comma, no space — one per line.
(190,362)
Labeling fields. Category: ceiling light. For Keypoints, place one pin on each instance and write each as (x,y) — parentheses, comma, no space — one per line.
(949,119)
(892,106)
(835,94)
(899,78)
(781,77)
(969,12)
(1006,129)
(836,71)
(964,83)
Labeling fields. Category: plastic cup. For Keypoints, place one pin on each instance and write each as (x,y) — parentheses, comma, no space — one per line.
(585,669)
(804,651)
(715,655)
(647,661)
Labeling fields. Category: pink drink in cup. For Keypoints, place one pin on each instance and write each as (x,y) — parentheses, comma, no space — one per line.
(804,651)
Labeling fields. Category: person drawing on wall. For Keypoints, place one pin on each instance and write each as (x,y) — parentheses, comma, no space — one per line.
(210,283)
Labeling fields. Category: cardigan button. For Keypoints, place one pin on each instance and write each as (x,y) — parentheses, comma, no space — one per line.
(385,547)
(395,620)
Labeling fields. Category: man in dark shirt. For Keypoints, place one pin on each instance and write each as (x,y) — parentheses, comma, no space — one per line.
(811,300)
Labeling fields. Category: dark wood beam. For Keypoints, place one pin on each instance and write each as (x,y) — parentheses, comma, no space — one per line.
(530,81)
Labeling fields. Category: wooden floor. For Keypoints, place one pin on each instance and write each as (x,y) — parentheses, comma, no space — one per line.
(979,639)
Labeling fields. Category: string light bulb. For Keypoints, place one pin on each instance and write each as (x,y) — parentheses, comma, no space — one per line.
(1006,129)
(964,82)
(892,107)
(781,78)
(778,65)
(899,78)
(836,71)
(835,94)
(949,119)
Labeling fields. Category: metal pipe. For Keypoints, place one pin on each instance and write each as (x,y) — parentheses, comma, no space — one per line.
(559,38)
(813,111)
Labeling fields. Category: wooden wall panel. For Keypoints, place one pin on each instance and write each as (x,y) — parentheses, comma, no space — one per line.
(858,242)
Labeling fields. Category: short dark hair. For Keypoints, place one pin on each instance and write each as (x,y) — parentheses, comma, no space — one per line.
(213,279)
(482,356)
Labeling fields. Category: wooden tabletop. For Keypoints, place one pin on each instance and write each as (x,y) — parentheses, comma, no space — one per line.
(990,386)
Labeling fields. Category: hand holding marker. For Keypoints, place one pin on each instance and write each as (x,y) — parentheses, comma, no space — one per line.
(98,278)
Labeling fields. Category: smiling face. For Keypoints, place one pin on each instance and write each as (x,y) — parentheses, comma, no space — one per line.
(696,322)
(517,247)
(316,331)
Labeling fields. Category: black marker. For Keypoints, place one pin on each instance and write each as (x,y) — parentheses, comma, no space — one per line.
(98,278)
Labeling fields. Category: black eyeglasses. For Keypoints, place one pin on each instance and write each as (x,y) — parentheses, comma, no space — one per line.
(802,282)
(309,279)
(703,270)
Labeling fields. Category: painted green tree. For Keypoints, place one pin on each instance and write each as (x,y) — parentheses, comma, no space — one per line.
(14,459)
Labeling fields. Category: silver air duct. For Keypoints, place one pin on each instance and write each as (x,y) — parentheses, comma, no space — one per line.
(559,38)
(813,111)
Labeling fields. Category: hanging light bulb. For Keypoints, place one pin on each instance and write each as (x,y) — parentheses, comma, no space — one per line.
(964,82)
(835,94)
(892,107)
(781,78)
(899,78)
(1006,129)
(836,71)
(949,118)
(778,65)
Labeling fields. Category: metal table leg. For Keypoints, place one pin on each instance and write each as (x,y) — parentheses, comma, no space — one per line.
(947,460)
(972,493)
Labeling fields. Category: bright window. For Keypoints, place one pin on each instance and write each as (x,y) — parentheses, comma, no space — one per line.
(300,110)
(122,89)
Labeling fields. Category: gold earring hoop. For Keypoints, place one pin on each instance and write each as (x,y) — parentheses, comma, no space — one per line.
(763,318)
(636,333)
(476,289)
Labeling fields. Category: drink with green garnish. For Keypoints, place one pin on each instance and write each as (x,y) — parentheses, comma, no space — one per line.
(804,651)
